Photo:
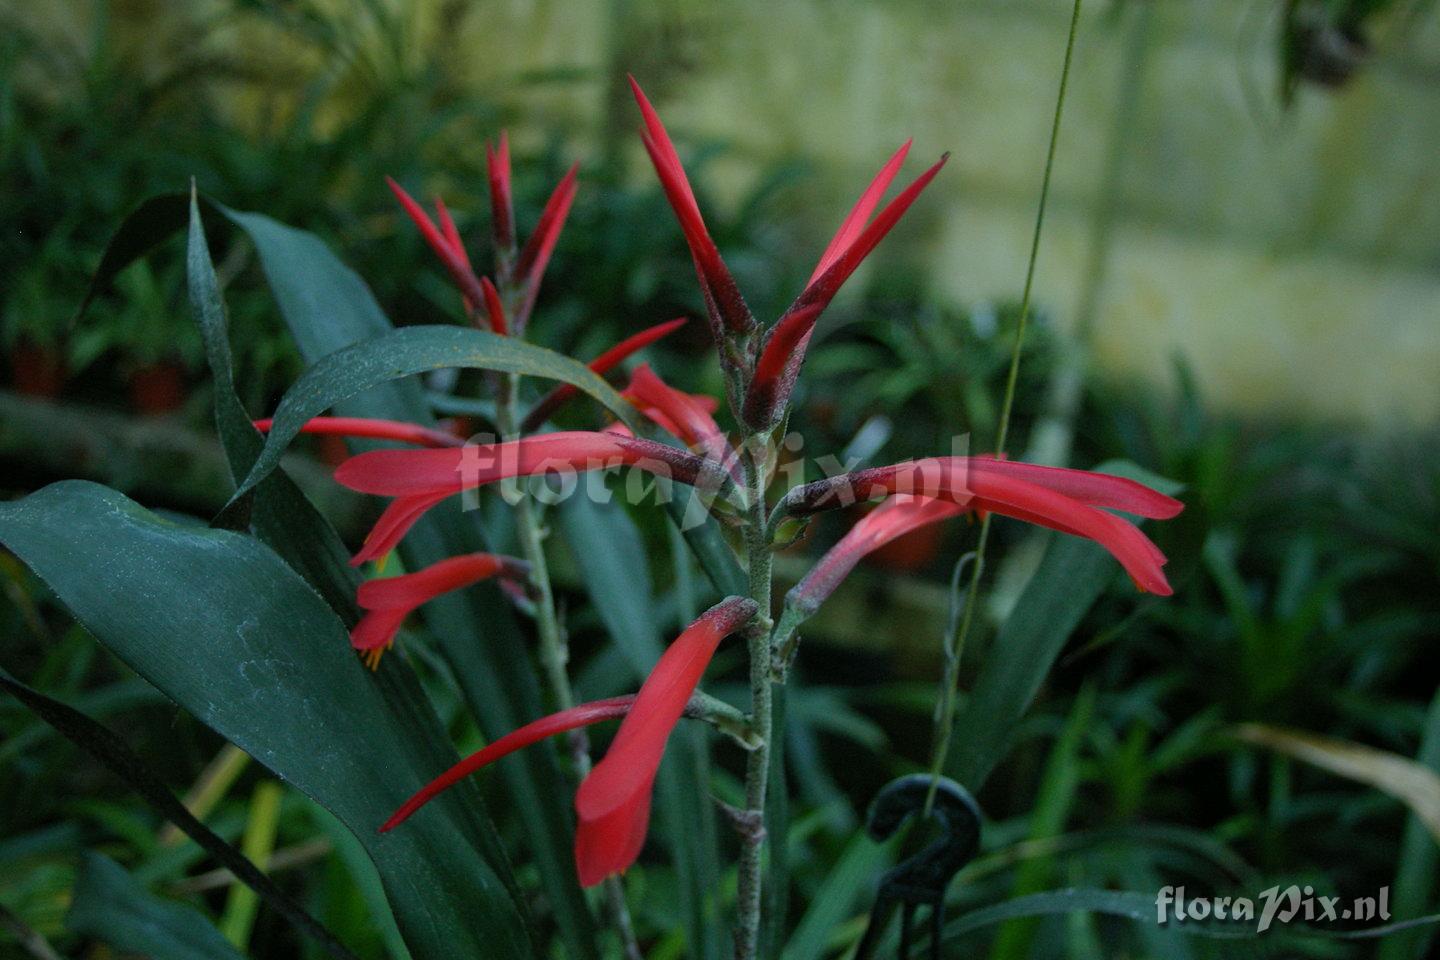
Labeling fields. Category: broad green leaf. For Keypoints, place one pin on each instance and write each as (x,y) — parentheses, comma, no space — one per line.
(111,906)
(611,559)
(221,625)
(410,350)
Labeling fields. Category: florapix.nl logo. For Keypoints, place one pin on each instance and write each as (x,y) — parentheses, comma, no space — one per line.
(1275,905)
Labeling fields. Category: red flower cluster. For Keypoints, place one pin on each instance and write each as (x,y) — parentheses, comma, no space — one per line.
(613,802)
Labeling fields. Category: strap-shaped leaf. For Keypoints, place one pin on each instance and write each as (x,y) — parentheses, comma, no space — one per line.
(411,350)
(222,626)
(112,906)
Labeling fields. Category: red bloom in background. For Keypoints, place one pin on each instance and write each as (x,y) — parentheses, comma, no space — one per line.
(389,601)
(686,416)
(613,802)
(420,479)
(602,364)
(1070,501)
(525,270)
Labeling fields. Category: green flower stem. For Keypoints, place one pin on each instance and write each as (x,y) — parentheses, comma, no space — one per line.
(955,648)
(757,765)
(554,648)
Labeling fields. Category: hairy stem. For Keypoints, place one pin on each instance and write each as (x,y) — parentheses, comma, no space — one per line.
(949,684)
(757,765)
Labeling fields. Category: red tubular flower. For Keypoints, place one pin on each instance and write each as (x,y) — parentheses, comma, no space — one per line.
(529,267)
(723,302)
(602,364)
(687,417)
(419,479)
(580,716)
(893,518)
(613,802)
(389,601)
(785,343)
(372,429)
(445,243)
(1061,499)
(502,210)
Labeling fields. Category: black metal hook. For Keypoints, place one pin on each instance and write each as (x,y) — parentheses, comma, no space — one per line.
(920,879)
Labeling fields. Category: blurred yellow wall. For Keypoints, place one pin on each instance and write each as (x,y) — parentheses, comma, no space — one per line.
(1292,256)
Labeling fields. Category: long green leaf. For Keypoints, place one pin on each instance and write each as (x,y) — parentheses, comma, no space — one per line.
(110,905)
(411,350)
(224,627)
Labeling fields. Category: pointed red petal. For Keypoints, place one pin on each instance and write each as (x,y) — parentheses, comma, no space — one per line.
(581,716)
(723,301)
(455,262)
(494,309)
(447,228)
(601,364)
(535,257)
(410,590)
(640,742)
(860,213)
(502,210)
(373,429)
(402,514)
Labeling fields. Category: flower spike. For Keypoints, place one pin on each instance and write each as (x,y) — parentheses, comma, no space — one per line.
(602,364)
(454,259)
(502,208)
(389,601)
(723,302)
(784,348)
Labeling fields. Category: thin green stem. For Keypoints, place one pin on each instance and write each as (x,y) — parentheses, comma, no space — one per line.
(757,764)
(554,648)
(945,715)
